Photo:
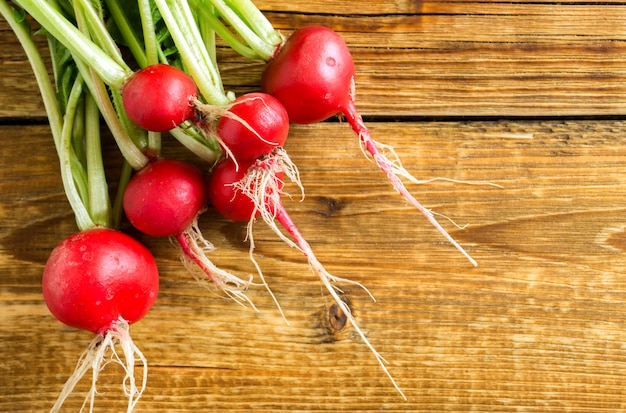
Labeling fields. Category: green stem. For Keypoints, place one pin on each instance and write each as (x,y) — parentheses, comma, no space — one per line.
(188,20)
(79,176)
(127,147)
(118,209)
(111,72)
(257,20)
(83,219)
(48,94)
(99,203)
(208,36)
(134,133)
(62,129)
(263,46)
(208,15)
(194,55)
(149,32)
(154,142)
(77,150)
(197,147)
(114,118)
(78,143)
(98,32)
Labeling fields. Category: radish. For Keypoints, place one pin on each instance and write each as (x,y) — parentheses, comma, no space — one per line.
(98,279)
(232,202)
(102,280)
(254,125)
(165,199)
(159,97)
(313,76)
(254,189)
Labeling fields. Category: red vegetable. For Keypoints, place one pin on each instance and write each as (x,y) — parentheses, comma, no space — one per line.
(95,277)
(228,199)
(165,197)
(254,125)
(313,77)
(159,97)
(102,280)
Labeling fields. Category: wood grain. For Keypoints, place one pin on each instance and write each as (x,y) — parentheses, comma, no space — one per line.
(528,95)
(446,59)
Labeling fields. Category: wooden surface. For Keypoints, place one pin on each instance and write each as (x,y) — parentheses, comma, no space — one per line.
(529,95)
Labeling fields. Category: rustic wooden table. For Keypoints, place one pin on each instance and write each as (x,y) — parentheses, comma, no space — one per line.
(529,95)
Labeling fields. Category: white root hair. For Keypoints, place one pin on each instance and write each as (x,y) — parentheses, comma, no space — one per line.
(200,266)
(262,185)
(94,358)
(388,154)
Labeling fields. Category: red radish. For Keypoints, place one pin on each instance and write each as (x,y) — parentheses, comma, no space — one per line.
(165,199)
(102,280)
(254,189)
(230,202)
(313,76)
(159,97)
(254,125)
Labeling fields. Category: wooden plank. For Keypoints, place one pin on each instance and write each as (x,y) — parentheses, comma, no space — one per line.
(446,59)
(538,326)
(406,7)
(461,59)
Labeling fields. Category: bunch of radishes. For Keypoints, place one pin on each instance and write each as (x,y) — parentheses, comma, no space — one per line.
(100,279)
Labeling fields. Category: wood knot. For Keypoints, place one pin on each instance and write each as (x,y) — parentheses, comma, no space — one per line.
(617,240)
(335,319)
(331,205)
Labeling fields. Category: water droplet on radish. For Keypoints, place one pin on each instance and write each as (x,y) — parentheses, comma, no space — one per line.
(330,61)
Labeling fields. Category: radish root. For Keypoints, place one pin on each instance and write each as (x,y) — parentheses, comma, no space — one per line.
(195,249)
(263,187)
(94,358)
(388,153)
(393,169)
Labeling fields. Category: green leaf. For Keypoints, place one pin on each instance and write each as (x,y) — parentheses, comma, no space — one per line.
(64,70)
(168,51)
(19,15)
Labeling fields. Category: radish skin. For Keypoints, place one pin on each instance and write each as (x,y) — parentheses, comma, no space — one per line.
(255,125)
(165,197)
(159,97)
